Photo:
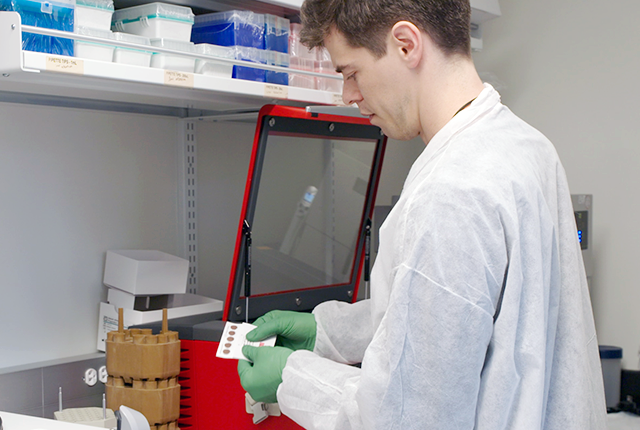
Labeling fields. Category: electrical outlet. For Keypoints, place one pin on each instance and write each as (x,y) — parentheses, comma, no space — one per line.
(103,375)
(90,377)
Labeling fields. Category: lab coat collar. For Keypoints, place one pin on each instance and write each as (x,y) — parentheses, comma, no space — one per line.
(486,101)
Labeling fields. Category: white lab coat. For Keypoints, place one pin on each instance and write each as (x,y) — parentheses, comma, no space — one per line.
(484,218)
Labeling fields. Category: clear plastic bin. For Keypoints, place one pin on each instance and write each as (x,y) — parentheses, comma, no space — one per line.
(276,33)
(132,56)
(325,66)
(94,50)
(174,62)
(94,14)
(212,67)
(231,28)
(297,49)
(252,55)
(275,58)
(303,81)
(155,20)
(56,15)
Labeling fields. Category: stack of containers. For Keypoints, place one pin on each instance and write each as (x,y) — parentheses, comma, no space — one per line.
(93,18)
(301,58)
(56,15)
(276,43)
(248,36)
(165,25)
(314,60)
(325,66)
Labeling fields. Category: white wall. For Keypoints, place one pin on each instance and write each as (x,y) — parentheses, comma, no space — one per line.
(74,184)
(571,69)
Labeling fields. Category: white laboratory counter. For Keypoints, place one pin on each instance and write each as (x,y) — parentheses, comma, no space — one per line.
(619,421)
(24,422)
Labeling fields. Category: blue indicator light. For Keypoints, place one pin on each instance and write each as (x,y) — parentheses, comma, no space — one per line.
(580,236)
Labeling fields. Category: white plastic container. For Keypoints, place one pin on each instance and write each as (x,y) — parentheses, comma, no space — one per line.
(155,21)
(94,14)
(214,68)
(94,50)
(134,57)
(146,272)
(174,62)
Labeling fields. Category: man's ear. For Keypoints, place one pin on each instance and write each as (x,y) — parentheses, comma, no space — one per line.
(406,40)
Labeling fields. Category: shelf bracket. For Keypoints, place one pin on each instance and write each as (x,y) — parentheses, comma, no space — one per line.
(11,60)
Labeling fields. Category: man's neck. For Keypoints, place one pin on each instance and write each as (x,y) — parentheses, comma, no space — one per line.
(449,87)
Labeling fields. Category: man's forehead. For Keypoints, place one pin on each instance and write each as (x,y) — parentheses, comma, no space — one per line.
(340,51)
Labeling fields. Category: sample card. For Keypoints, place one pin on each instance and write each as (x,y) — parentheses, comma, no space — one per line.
(234,338)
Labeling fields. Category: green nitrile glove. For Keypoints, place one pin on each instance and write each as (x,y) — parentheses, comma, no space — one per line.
(262,377)
(295,330)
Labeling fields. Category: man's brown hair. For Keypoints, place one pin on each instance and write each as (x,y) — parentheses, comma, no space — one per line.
(365,23)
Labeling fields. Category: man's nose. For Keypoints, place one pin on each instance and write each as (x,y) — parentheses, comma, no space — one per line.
(350,93)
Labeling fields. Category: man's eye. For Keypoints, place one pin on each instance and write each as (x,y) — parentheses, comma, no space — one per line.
(352,76)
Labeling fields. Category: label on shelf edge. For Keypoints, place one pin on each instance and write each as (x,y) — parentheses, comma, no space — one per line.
(277,91)
(336,99)
(178,79)
(64,65)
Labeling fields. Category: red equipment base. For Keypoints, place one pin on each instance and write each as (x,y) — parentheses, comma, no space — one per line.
(211,396)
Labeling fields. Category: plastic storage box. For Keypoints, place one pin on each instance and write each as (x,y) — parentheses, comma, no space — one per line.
(94,14)
(231,28)
(277,59)
(174,62)
(325,66)
(94,50)
(155,21)
(132,56)
(146,272)
(276,33)
(297,49)
(57,15)
(302,81)
(212,67)
(252,55)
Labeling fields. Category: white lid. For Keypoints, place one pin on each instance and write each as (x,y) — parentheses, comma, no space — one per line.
(176,45)
(154,10)
(100,4)
(94,32)
(131,38)
(215,50)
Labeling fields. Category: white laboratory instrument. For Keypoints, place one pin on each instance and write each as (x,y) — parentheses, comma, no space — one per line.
(292,236)
(130,419)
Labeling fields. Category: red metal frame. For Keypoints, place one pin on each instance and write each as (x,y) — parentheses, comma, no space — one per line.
(301,113)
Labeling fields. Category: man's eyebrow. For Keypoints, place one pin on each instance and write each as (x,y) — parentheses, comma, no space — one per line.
(339,68)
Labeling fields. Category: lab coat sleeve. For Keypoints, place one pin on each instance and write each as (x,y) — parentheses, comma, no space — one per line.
(423,366)
(344,330)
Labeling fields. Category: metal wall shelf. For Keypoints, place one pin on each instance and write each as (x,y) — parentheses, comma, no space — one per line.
(36,73)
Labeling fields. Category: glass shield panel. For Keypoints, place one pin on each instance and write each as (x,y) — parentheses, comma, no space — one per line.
(308,212)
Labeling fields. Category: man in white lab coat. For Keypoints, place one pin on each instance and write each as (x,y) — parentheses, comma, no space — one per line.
(480,316)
